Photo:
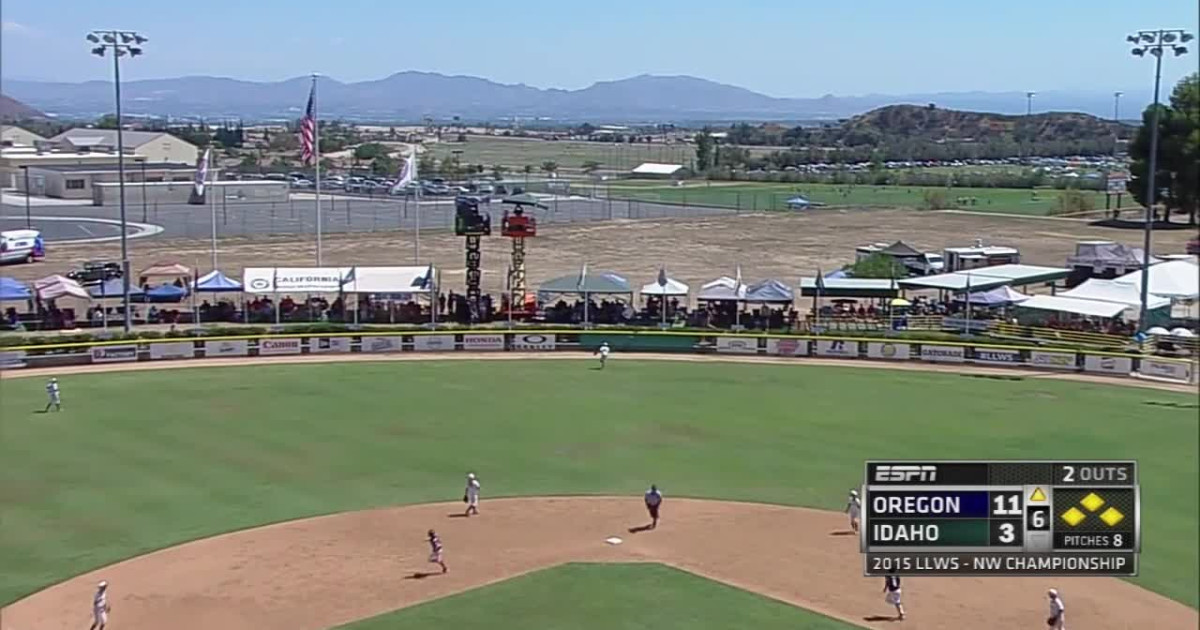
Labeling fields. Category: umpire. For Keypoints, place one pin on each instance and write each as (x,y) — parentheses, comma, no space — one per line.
(654,500)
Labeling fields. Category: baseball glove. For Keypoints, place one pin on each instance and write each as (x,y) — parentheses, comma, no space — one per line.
(1050,621)
(464,498)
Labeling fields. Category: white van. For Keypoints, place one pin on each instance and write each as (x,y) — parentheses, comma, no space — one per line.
(21,246)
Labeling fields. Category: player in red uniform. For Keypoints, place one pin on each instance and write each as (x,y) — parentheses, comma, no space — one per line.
(435,550)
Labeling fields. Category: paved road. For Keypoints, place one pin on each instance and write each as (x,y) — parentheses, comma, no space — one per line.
(340,215)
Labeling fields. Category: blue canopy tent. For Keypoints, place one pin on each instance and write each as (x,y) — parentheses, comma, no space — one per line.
(166,293)
(769,292)
(115,288)
(10,289)
(217,282)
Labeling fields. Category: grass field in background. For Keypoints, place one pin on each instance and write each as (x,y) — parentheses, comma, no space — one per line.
(749,196)
(143,460)
(568,154)
(604,597)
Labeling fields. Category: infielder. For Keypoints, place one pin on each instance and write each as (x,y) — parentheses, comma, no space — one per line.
(1058,611)
(52,394)
(854,509)
(100,607)
(603,351)
(891,586)
(471,495)
(654,500)
(435,551)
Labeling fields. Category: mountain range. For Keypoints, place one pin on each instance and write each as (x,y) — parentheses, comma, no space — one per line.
(412,96)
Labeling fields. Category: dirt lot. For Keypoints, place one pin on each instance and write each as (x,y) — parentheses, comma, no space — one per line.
(695,250)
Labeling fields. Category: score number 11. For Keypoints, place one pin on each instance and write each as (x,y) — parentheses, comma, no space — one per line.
(1007,518)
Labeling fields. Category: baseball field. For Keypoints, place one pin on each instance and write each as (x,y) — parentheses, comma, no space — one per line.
(306,491)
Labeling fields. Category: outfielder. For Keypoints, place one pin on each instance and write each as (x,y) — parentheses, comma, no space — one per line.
(891,586)
(471,495)
(603,351)
(100,607)
(1058,611)
(435,551)
(653,503)
(854,509)
(52,394)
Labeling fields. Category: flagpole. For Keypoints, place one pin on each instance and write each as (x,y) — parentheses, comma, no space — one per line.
(968,332)
(317,163)
(212,208)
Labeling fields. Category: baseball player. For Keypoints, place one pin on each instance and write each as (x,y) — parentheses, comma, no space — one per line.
(854,509)
(654,500)
(1058,611)
(435,551)
(52,394)
(100,607)
(891,586)
(471,495)
(603,351)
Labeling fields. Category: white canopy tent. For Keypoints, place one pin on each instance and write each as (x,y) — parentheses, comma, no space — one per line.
(723,288)
(1076,306)
(1115,292)
(1177,279)
(389,281)
(56,286)
(673,288)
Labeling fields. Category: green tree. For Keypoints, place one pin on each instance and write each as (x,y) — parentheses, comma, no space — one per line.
(704,150)
(1073,202)
(1177,174)
(384,165)
(591,166)
(426,163)
(550,167)
(527,169)
(878,266)
(107,121)
(370,151)
(498,171)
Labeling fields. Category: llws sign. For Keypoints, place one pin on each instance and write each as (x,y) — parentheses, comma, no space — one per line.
(737,345)
(888,350)
(788,347)
(532,341)
(113,354)
(288,345)
(228,348)
(837,348)
(997,357)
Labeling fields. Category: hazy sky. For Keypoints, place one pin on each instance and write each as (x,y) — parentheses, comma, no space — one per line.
(778,47)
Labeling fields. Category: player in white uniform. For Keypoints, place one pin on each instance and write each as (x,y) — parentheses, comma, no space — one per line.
(52,394)
(471,495)
(100,607)
(854,509)
(653,501)
(603,351)
(1058,611)
(891,586)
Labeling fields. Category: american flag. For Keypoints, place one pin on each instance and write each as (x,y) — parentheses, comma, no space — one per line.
(308,128)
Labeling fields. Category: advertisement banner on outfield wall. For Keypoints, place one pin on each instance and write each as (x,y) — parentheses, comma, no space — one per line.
(475,342)
(433,343)
(1053,360)
(788,347)
(227,348)
(994,356)
(1107,365)
(837,348)
(888,350)
(286,345)
(1173,370)
(532,341)
(381,344)
(943,354)
(326,345)
(113,354)
(12,360)
(173,350)
(737,345)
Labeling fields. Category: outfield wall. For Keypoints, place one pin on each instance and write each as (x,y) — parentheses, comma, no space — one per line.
(866,349)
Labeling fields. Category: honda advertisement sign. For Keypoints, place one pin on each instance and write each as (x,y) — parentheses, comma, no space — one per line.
(532,341)
(888,350)
(788,347)
(433,343)
(737,345)
(943,354)
(482,342)
(1053,360)
(325,345)
(173,350)
(1107,365)
(286,345)
(381,344)
(993,356)
(837,348)
(227,348)
(114,354)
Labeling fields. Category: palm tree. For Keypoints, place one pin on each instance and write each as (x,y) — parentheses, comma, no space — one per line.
(550,166)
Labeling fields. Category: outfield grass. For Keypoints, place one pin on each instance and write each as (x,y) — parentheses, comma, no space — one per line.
(605,597)
(142,460)
(770,196)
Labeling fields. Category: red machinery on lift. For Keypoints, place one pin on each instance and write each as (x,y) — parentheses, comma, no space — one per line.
(518,226)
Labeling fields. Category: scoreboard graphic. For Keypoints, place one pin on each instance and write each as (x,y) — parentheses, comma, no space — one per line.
(1001,517)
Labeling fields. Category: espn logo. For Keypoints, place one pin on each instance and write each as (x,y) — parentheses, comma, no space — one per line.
(903,473)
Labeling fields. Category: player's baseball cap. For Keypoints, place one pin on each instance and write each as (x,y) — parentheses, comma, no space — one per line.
(854,493)
(1052,592)
(470,475)
(102,584)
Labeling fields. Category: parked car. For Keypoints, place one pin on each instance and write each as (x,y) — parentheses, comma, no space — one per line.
(93,273)
(21,246)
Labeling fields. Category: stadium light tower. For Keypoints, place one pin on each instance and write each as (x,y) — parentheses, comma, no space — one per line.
(1117,106)
(1155,43)
(119,43)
